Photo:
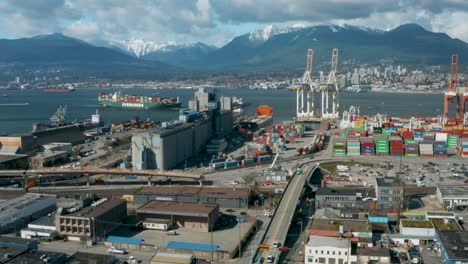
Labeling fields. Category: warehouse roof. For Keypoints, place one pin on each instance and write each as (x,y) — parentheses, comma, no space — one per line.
(124,240)
(326,241)
(349,225)
(34,257)
(5,158)
(177,208)
(86,258)
(453,190)
(16,241)
(192,246)
(455,243)
(416,223)
(94,211)
(162,257)
(168,190)
(388,182)
(373,251)
(446,224)
(202,191)
(28,200)
(48,220)
(329,191)
(224,192)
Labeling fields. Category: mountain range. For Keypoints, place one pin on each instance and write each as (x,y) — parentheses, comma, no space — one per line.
(270,48)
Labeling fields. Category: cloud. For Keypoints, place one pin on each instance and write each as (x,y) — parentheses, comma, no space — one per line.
(218,21)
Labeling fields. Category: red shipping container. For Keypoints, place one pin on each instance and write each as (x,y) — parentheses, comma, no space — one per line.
(339,147)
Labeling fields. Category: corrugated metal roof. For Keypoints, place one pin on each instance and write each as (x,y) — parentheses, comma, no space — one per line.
(124,240)
(192,246)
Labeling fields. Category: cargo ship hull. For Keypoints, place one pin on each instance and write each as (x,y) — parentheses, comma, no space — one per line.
(140,105)
(119,100)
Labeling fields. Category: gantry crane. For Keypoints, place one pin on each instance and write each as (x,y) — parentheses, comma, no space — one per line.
(330,86)
(464,100)
(305,110)
(452,93)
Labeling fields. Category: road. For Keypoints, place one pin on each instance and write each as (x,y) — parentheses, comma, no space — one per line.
(284,213)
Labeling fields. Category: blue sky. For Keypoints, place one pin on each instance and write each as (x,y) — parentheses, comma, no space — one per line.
(217,21)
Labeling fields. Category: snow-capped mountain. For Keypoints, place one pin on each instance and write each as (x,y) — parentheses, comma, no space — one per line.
(139,47)
(269,31)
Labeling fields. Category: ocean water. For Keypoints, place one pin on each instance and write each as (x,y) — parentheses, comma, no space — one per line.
(19,109)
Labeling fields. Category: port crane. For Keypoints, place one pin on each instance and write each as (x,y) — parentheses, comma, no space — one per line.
(464,100)
(452,95)
(331,86)
(305,110)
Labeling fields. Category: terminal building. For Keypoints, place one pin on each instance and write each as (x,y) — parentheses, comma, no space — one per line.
(170,145)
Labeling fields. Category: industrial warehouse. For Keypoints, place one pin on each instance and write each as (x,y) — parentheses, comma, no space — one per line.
(225,197)
(197,216)
(176,141)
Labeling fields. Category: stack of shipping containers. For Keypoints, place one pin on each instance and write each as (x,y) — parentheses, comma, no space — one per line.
(452,141)
(339,147)
(353,146)
(396,146)
(426,148)
(382,147)
(440,149)
(367,146)
(411,148)
(463,147)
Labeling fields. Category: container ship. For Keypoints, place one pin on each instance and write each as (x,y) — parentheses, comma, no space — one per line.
(120,100)
(59,89)
(263,118)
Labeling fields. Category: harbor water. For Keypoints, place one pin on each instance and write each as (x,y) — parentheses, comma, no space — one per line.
(19,109)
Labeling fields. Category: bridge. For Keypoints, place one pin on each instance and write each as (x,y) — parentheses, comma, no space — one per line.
(279,225)
(93,170)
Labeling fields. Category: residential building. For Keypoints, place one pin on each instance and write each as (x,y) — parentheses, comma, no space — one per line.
(451,196)
(91,222)
(16,213)
(199,216)
(390,193)
(453,246)
(329,250)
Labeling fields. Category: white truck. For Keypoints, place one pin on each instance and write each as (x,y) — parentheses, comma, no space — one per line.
(114,250)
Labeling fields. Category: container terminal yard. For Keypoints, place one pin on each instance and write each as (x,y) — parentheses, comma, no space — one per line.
(216,187)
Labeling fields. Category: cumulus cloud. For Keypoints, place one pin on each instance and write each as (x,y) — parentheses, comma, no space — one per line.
(213,21)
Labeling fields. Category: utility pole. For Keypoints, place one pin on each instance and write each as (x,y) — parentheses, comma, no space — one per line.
(210,229)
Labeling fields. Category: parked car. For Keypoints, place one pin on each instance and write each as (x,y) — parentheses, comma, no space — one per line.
(114,250)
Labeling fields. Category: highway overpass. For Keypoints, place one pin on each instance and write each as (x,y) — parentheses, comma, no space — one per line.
(93,170)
